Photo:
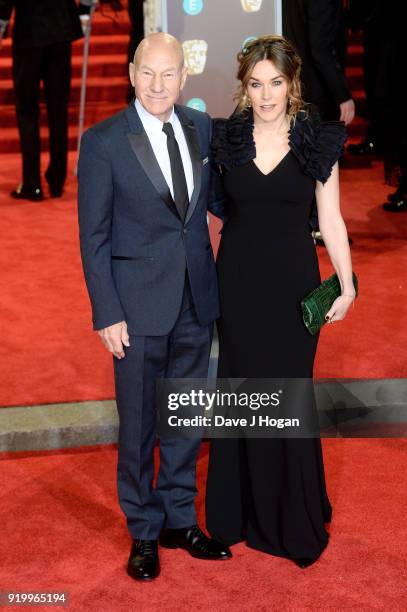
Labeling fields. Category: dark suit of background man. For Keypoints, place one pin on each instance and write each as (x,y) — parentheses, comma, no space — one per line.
(317,28)
(144,189)
(136,15)
(42,35)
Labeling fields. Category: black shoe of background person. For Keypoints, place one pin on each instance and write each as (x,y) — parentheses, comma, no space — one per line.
(144,563)
(56,193)
(193,540)
(397,205)
(21,193)
(319,241)
(396,195)
(365,147)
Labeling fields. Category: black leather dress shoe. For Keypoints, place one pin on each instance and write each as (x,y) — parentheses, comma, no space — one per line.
(396,205)
(366,147)
(144,563)
(193,540)
(21,193)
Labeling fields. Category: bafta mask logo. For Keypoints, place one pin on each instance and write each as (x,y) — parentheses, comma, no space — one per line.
(195,55)
(251,6)
(193,7)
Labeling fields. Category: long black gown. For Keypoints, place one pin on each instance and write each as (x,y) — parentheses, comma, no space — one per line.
(269,492)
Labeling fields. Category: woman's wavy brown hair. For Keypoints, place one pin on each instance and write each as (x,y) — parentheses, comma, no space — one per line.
(286,60)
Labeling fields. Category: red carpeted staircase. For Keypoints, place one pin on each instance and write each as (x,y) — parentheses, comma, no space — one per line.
(107,80)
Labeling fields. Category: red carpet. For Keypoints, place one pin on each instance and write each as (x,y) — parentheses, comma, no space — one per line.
(49,353)
(62,529)
(71,536)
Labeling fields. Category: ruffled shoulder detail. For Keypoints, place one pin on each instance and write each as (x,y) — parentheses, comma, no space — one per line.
(317,144)
(232,140)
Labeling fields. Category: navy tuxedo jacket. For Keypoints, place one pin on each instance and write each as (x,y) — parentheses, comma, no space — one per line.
(135,248)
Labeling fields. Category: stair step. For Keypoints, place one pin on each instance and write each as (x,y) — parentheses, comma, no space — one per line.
(112,44)
(358,95)
(109,44)
(356,50)
(107,22)
(357,128)
(94,113)
(113,89)
(10,143)
(355,38)
(98,66)
(114,24)
(354,77)
(354,56)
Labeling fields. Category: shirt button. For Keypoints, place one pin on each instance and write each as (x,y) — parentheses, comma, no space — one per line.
(185,231)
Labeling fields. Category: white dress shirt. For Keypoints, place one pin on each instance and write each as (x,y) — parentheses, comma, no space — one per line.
(158,141)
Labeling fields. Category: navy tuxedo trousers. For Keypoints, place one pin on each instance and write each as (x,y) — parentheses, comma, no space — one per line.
(183,353)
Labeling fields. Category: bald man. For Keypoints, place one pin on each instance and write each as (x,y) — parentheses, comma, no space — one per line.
(145,185)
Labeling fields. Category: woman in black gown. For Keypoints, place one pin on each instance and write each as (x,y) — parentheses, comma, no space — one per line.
(274,156)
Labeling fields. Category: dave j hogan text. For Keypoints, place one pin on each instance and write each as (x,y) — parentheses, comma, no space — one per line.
(256,420)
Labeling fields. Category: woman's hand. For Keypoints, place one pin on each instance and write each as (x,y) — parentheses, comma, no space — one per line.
(339,308)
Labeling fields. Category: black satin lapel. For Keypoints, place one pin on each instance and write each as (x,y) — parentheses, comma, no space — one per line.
(196,160)
(145,155)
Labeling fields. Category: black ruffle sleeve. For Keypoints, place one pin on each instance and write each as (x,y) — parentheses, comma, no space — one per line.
(232,141)
(317,144)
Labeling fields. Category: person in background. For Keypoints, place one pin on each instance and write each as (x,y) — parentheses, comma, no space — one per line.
(394,19)
(397,201)
(365,15)
(136,16)
(383,25)
(317,30)
(42,35)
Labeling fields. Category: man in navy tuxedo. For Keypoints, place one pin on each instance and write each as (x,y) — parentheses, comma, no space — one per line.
(145,185)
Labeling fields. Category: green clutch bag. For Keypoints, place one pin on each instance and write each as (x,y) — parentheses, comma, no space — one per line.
(317,303)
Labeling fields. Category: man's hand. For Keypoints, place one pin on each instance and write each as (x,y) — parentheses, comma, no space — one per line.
(347,111)
(114,338)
